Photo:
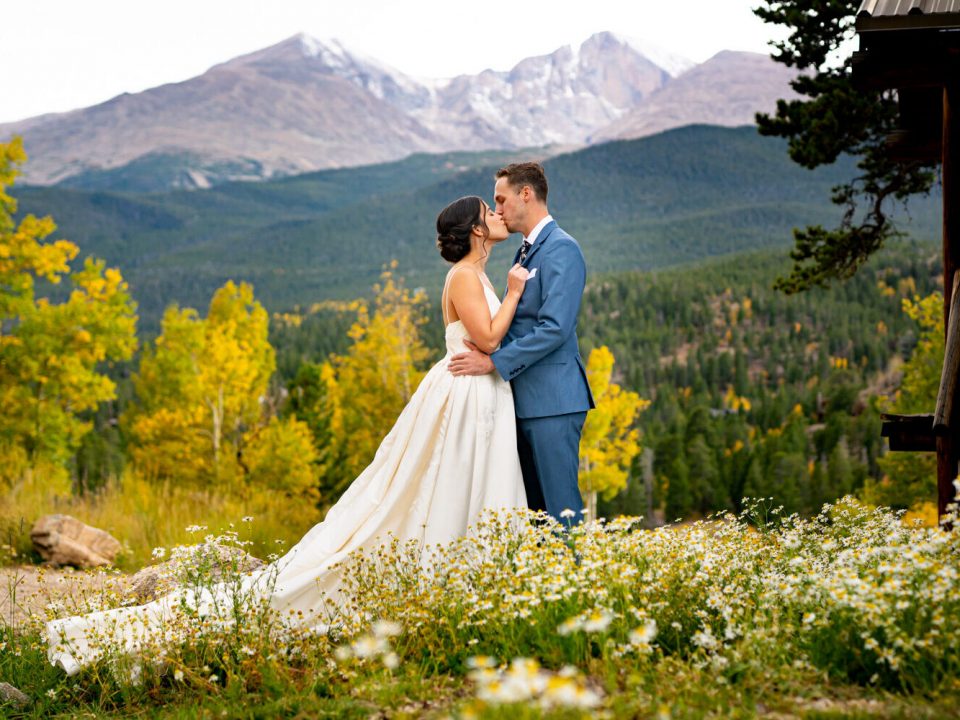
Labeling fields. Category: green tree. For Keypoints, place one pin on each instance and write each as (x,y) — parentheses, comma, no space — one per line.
(704,476)
(679,501)
(312,399)
(840,470)
(836,118)
(910,478)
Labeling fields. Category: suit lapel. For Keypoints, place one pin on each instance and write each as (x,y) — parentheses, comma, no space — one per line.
(541,239)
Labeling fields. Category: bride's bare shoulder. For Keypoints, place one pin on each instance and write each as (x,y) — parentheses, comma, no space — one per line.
(463,277)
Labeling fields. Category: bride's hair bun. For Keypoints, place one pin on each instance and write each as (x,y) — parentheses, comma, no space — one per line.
(454,225)
(453,248)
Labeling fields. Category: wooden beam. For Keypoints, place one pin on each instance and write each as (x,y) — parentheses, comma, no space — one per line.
(910,433)
(909,145)
(901,64)
(894,24)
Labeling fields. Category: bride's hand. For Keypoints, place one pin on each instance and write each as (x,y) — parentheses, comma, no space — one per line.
(516,279)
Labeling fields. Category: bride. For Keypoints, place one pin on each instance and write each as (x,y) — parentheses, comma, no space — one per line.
(451,455)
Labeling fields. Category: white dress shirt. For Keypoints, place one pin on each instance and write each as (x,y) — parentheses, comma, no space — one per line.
(535,233)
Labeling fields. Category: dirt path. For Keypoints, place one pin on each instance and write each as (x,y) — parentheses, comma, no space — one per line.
(27,590)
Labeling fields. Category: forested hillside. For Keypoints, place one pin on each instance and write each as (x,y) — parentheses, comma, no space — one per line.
(752,392)
(755,393)
(677,197)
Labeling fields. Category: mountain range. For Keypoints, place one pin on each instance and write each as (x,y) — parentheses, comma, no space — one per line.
(305,105)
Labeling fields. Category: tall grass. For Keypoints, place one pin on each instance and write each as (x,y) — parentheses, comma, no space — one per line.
(144,515)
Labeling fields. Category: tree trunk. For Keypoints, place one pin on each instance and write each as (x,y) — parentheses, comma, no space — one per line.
(216,413)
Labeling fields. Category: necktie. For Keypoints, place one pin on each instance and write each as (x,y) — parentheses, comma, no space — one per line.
(524,250)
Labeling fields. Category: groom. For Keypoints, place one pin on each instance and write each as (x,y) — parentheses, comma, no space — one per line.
(539,354)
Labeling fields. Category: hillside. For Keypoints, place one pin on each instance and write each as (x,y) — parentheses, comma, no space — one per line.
(668,199)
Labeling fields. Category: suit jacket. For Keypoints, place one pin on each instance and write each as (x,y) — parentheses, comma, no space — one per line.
(539,354)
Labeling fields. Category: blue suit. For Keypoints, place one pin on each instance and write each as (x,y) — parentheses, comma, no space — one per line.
(540,357)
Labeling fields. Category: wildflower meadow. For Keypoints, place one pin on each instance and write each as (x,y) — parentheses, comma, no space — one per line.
(852,613)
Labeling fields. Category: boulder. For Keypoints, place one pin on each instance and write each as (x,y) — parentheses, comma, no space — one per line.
(155,580)
(9,694)
(64,540)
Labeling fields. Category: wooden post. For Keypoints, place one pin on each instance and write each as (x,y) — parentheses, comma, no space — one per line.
(948,445)
(950,371)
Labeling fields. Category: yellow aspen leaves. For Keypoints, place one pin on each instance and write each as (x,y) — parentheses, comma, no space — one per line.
(51,351)
(735,402)
(199,389)
(280,456)
(609,441)
(370,384)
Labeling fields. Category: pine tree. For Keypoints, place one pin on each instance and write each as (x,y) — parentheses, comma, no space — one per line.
(833,119)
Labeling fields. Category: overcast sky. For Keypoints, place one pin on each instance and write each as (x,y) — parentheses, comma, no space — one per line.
(58,55)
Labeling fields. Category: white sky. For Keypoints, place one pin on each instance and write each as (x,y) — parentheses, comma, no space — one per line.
(57,55)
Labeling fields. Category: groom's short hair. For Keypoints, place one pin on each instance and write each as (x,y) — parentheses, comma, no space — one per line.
(526,173)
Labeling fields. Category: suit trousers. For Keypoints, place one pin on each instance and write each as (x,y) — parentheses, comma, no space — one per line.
(549,449)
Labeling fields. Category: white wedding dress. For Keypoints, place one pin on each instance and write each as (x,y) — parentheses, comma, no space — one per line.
(451,455)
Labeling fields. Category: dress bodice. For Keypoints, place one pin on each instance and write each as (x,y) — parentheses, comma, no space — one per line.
(456,331)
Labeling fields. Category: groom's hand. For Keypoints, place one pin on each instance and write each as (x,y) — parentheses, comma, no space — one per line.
(471,363)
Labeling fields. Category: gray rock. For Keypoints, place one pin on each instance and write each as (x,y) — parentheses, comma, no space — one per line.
(64,540)
(156,580)
(9,694)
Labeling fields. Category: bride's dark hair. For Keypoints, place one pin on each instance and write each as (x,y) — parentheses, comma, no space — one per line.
(454,225)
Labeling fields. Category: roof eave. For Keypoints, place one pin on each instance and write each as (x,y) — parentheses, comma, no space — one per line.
(936,21)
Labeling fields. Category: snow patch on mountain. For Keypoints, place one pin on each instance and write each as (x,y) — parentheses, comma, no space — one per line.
(673,63)
(331,53)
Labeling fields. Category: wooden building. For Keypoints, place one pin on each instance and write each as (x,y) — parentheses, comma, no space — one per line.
(913,46)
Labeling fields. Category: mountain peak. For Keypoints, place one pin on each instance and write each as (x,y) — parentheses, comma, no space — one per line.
(673,63)
(738,54)
(328,50)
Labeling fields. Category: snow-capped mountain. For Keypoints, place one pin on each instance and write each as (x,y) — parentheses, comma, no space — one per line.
(281,110)
(671,62)
(302,54)
(307,104)
(552,99)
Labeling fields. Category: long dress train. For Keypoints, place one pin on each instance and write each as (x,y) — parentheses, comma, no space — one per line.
(451,455)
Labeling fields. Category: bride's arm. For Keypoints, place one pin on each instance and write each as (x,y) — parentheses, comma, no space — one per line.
(470,302)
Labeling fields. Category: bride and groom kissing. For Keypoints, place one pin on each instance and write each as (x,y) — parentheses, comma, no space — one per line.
(494,425)
(539,354)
